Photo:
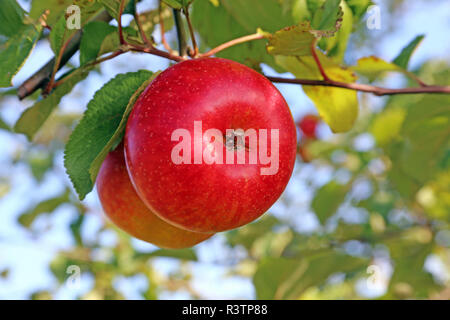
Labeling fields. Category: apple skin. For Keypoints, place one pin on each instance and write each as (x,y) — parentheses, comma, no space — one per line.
(126,210)
(223,94)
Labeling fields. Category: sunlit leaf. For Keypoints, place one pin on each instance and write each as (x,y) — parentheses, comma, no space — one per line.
(16,50)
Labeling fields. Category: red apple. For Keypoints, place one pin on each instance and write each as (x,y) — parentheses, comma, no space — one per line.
(123,206)
(181,185)
(308,125)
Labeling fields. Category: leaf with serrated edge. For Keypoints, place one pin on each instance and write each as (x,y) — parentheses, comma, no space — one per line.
(118,134)
(328,19)
(99,123)
(292,41)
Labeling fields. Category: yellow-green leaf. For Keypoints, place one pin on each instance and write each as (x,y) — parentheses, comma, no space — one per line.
(337,106)
(292,41)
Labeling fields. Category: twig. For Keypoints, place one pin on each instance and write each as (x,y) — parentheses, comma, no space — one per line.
(231,43)
(192,34)
(181,34)
(316,59)
(41,77)
(163,31)
(119,21)
(49,86)
(93,63)
(378,91)
(158,53)
(141,30)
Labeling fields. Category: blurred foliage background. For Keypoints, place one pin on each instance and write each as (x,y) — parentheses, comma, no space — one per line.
(366,217)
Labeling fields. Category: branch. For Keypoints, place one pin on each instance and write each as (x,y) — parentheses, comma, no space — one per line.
(231,43)
(378,91)
(181,34)
(41,77)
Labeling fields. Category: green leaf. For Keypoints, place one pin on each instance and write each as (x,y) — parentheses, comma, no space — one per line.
(178,4)
(336,46)
(56,8)
(103,117)
(59,35)
(34,117)
(408,253)
(391,118)
(328,18)
(118,134)
(15,51)
(47,206)
(94,38)
(236,18)
(404,56)
(11,17)
(328,199)
(282,278)
(338,107)
(113,7)
(292,41)
(372,67)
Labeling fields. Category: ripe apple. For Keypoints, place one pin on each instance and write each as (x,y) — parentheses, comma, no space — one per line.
(123,206)
(308,125)
(182,105)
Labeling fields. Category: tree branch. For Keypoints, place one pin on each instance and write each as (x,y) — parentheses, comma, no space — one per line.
(41,77)
(231,43)
(378,91)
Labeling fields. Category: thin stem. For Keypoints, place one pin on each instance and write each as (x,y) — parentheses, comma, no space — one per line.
(163,31)
(231,43)
(93,63)
(191,32)
(141,30)
(181,34)
(316,59)
(50,84)
(119,21)
(379,91)
(157,52)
